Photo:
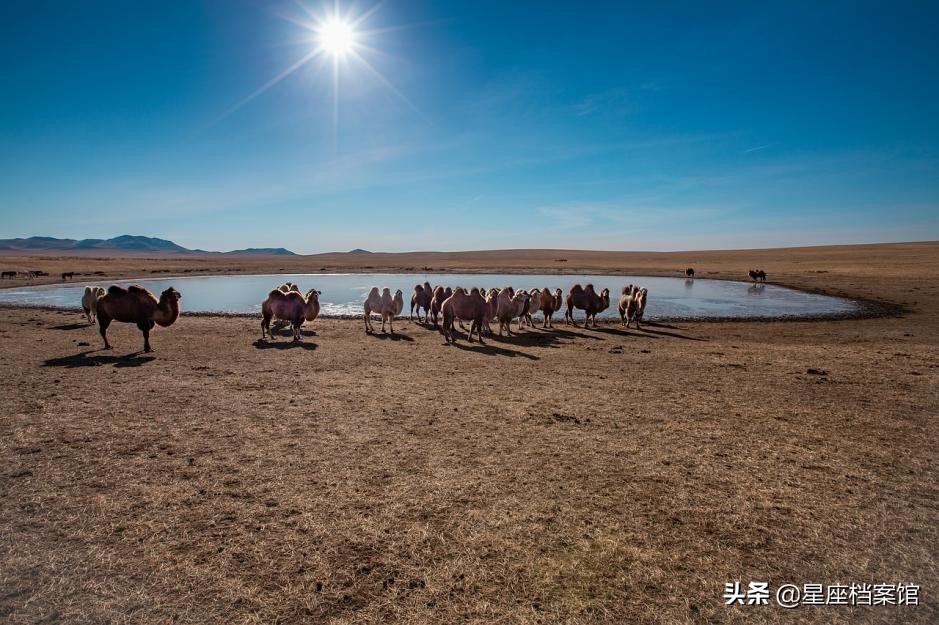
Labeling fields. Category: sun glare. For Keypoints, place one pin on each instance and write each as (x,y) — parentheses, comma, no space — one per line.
(337,37)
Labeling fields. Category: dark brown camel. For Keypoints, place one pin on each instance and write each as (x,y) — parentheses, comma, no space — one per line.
(290,306)
(422,298)
(586,299)
(136,304)
(689,272)
(436,303)
(550,303)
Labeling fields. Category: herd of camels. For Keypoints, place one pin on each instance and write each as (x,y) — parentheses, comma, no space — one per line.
(477,306)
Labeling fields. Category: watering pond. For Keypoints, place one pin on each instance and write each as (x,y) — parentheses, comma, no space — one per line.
(343,294)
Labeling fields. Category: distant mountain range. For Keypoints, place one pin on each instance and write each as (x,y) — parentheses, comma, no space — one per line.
(124,244)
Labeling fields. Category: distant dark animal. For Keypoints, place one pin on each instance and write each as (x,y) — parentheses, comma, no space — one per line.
(587,300)
(68,275)
(8,274)
(136,304)
(757,275)
(39,272)
(689,272)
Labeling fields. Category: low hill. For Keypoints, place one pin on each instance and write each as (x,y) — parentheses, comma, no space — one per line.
(122,245)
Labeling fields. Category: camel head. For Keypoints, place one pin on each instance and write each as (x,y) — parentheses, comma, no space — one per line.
(313,295)
(171,295)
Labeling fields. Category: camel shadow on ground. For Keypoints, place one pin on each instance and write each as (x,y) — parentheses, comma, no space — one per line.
(491,350)
(620,331)
(85,359)
(288,333)
(674,335)
(534,337)
(392,336)
(576,335)
(287,344)
(72,326)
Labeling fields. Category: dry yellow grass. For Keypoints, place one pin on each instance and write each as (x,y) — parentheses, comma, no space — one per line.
(571,476)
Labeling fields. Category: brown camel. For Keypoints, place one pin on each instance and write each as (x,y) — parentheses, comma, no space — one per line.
(422,297)
(436,303)
(468,307)
(290,306)
(550,304)
(136,304)
(689,272)
(586,299)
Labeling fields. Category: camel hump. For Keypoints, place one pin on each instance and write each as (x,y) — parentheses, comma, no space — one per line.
(576,288)
(136,289)
(276,294)
(116,291)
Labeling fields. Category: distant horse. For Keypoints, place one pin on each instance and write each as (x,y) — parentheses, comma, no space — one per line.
(7,274)
(68,275)
(757,275)
(689,272)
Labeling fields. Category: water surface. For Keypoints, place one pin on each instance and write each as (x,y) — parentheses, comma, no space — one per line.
(669,298)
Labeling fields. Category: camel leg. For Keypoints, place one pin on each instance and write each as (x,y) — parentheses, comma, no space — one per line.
(103,323)
(145,328)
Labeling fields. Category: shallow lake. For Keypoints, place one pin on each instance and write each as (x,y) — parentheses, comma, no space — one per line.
(342,294)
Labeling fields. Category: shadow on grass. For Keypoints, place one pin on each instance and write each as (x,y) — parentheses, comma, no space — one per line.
(287,344)
(85,359)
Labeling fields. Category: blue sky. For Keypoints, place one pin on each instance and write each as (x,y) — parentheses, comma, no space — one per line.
(474,125)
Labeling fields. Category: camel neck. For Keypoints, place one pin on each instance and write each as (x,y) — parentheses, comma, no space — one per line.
(167,311)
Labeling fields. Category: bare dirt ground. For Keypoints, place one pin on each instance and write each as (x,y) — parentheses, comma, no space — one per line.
(566,476)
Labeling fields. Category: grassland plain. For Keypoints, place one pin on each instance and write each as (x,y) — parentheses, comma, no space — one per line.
(566,476)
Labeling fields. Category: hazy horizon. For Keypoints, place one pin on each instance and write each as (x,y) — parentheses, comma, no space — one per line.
(466,126)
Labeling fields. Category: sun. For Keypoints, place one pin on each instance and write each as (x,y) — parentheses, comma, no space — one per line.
(336,37)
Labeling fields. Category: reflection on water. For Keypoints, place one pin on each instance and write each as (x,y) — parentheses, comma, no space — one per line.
(342,294)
